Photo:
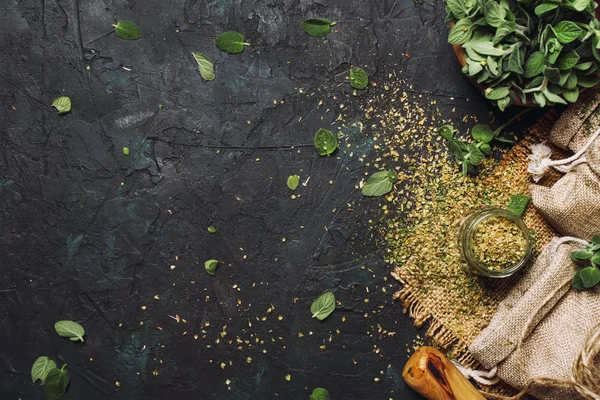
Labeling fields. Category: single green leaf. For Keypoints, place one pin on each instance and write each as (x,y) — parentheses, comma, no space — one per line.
(515,61)
(485,149)
(577,282)
(496,93)
(553,50)
(211,229)
(379,183)
(505,29)
(482,133)
(553,98)
(462,32)
(293,181)
(231,42)
(588,81)
(323,306)
(56,383)
(571,95)
(126,151)
(358,78)
(211,266)
(476,156)
(567,60)
(40,368)
(127,30)
(457,7)
(485,48)
(567,31)
(318,27)
(590,277)
(503,103)
(596,258)
(319,394)
(544,8)
(70,329)
(494,13)
(535,64)
(457,148)
(205,66)
(581,255)
(465,167)
(518,204)
(62,104)
(577,5)
(325,142)
(446,131)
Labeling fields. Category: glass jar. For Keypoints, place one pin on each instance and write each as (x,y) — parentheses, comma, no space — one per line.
(471,232)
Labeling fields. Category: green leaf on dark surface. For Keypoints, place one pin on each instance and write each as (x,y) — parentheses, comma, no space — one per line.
(485,149)
(319,394)
(70,329)
(127,30)
(211,266)
(62,104)
(518,204)
(325,142)
(318,27)
(476,156)
(461,32)
(567,31)
(446,131)
(544,8)
(379,183)
(535,64)
(56,383)
(40,369)
(323,306)
(496,93)
(590,277)
(231,42)
(482,133)
(205,66)
(358,78)
(293,181)
(211,229)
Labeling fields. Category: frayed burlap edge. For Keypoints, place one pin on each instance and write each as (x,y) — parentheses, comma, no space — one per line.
(410,294)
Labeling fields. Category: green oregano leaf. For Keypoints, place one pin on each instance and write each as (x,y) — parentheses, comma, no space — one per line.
(293,181)
(231,42)
(358,78)
(496,93)
(40,369)
(515,61)
(323,306)
(62,104)
(590,277)
(70,329)
(567,60)
(379,183)
(482,133)
(535,64)
(581,255)
(595,258)
(56,383)
(462,32)
(571,95)
(476,156)
(446,131)
(567,31)
(211,266)
(325,142)
(518,204)
(205,66)
(494,13)
(211,229)
(544,8)
(126,151)
(318,27)
(127,30)
(577,282)
(319,394)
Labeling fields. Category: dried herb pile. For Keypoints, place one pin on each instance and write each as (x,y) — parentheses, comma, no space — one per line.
(498,243)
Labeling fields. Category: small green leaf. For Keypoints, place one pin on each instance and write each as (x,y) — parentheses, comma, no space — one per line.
(126,151)
(515,61)
(358,78)
(211,229)
(535,64)
(553,98)
(476,156)
(462,32)
(56,383)
(319,394)
(595,259)
(482,133)
(485,149)
(567,31)
(518,204)
(325,142)
(318,27)
(544,8)
(446,131)
(211,266)
(70,329)
(457,148)
(577,282)
(494,13)
(127,30)
(231,42)
(205,66)
(323,306)
(62,104)
(590,277)
(40,369)
(293,181)
(496,93)
(567,60)
(379,183)
(485,48)
(577,5)
(581,255)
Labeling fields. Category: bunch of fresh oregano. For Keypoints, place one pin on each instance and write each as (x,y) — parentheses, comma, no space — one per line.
(589,258)
(544,51)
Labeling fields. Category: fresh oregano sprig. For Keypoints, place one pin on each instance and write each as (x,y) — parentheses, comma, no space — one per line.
(470,155)
(589,258)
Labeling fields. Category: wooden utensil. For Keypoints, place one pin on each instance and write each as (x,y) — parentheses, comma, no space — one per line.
(434,377)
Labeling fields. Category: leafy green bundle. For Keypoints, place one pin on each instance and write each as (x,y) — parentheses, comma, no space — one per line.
(540,51)
(589,276)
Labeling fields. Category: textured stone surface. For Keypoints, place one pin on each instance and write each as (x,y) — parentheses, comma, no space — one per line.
(90,234)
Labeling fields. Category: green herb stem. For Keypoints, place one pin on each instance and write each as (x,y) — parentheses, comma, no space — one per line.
(63,367)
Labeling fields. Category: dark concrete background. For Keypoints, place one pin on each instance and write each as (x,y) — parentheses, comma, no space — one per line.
(89,234)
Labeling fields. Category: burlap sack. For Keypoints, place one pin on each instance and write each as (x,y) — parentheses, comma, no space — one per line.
(572,205)
(560,328)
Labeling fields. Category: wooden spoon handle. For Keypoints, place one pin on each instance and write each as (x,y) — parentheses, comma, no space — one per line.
(434,377)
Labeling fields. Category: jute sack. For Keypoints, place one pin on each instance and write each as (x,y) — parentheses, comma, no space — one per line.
(544,333)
